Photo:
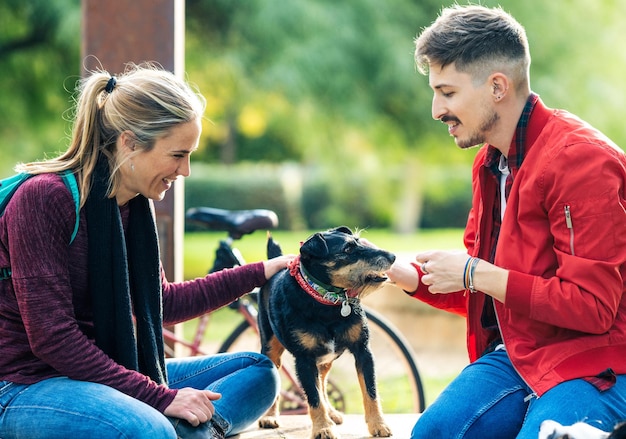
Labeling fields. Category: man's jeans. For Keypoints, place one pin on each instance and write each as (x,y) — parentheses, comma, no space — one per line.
(490,400)
(64,408)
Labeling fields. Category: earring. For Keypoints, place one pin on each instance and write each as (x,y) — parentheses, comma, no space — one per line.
(132,167)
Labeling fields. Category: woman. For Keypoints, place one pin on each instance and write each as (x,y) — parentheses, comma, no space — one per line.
(75,361)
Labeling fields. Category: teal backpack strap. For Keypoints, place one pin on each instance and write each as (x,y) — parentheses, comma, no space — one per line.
(70,181)
(8,186)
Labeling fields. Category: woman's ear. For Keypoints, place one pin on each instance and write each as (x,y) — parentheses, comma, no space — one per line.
(127,141)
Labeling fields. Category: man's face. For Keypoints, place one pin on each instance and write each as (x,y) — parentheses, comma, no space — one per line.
(465,107)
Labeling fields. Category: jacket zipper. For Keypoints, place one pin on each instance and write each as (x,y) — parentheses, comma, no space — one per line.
(570,226)
(532,393)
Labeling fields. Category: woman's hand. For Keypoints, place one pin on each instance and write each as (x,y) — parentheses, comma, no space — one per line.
(192,405)
(274,265)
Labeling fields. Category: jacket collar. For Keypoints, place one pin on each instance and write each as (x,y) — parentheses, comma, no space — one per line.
(531,123)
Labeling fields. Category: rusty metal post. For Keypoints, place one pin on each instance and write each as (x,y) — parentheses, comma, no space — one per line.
(116,32)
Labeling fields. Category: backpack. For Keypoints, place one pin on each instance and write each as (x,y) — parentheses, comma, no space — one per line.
(9,185)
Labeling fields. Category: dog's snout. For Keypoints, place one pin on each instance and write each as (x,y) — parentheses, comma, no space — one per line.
(386,257)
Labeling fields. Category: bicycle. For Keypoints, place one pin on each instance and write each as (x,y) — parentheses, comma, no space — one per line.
(399,381)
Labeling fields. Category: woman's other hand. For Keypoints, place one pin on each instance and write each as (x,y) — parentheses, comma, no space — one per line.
(192,405)
(274,265)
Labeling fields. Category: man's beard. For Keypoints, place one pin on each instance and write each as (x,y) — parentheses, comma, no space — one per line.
(478,137)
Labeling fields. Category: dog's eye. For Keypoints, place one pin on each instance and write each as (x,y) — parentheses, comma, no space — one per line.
(350,247)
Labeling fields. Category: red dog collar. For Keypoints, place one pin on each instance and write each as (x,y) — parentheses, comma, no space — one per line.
(320,292)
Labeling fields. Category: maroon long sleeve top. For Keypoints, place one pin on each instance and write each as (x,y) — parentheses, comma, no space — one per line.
(46,319)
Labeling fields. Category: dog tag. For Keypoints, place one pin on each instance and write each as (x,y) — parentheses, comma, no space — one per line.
(345,309)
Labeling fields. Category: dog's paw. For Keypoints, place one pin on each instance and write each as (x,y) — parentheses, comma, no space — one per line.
(380,430)
(325,433)
(269,422)
(336,416)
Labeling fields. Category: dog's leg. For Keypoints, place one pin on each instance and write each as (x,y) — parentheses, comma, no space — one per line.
(274,350)
(334,414)
(373,412)
(323,426)
(367,380)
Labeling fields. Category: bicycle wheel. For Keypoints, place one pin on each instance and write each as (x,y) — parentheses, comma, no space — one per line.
(398,379)
(292,399)
(396,369)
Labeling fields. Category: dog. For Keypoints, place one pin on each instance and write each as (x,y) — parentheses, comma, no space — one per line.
(580,430)
(312,309)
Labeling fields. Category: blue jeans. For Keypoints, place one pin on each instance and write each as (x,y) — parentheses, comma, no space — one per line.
(490,400)
(64,408)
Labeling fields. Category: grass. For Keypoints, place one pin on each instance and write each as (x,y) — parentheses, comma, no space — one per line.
(199,254)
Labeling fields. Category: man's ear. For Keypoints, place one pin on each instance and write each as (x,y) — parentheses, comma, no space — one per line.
(499,84)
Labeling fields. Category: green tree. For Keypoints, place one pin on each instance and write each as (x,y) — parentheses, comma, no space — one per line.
(330,85)
(39,62)
(308,74)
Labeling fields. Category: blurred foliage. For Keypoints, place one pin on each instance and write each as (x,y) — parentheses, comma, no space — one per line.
(39,62)
(321,82)
(304,198)
(328,85)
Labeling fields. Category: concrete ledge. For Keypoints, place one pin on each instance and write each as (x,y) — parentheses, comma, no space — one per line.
(353,427)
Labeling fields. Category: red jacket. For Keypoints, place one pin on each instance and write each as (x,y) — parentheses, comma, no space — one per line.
(565,311)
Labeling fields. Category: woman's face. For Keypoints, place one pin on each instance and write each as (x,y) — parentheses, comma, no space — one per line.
(151,172)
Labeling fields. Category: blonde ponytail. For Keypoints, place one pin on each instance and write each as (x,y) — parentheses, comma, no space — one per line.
(145,99)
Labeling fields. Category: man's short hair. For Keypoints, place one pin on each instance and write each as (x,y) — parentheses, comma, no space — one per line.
(477,40)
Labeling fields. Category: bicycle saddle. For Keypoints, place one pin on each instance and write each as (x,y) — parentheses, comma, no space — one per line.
(236,222)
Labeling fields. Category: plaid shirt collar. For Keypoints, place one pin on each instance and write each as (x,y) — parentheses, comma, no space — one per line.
(517,151)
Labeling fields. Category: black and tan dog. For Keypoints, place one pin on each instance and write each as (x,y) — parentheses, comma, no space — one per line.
(580,430)
(313,310)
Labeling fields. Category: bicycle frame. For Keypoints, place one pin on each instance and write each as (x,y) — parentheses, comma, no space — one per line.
(246,308)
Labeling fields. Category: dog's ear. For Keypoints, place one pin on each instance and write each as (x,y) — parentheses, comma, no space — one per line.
(342,229)
(315,246)
(273,247)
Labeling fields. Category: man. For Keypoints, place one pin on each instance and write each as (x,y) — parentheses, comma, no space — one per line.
(542,282)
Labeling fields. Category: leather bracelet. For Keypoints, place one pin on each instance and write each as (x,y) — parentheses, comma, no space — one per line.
(470,279)
(466,273)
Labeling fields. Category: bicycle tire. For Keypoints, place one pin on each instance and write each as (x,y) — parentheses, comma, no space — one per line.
(384,339)
(407,356)
(233,336)
(293,400)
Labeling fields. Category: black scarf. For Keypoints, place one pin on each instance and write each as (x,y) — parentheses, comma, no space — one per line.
(124,276)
